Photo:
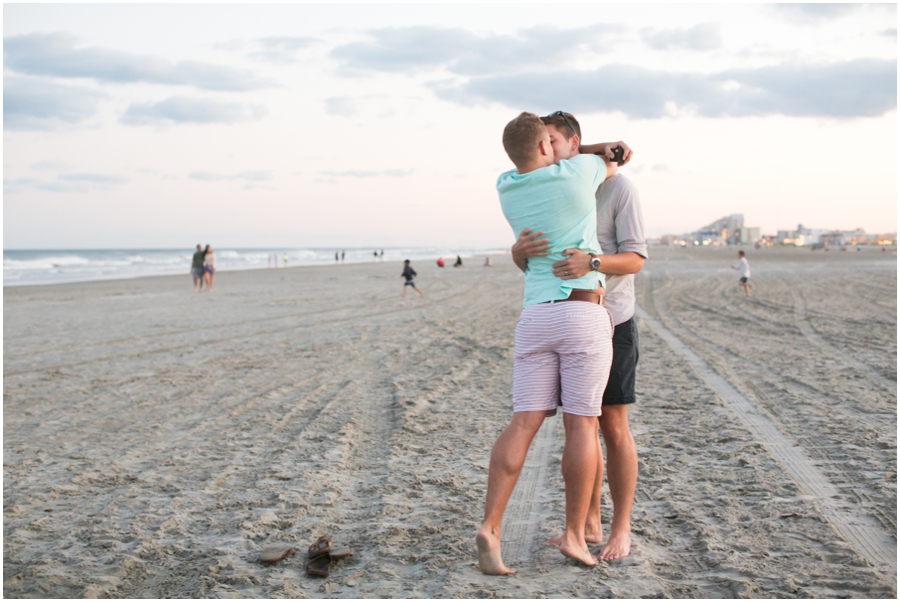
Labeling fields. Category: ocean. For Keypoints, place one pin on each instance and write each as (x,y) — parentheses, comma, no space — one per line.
(56,266)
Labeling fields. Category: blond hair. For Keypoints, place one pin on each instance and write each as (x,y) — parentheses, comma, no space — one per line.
(521,137)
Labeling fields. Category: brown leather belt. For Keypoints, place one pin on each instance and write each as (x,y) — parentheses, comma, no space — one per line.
(583,295)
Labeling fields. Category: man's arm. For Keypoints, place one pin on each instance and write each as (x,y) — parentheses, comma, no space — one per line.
(578,264)
(529,244)
(605,149)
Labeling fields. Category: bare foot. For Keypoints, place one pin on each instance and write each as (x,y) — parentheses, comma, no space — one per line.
(582,555)
(618,546)
(489,559)
(588,537)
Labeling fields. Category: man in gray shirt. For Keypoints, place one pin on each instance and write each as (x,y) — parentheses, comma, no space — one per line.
(620,232)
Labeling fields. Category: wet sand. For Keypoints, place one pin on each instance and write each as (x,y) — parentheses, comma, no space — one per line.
(155,439)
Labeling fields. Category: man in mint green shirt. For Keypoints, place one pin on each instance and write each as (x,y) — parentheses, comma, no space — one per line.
(563,338)
(560,197)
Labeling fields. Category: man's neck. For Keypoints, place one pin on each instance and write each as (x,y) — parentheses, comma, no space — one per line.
(533,165)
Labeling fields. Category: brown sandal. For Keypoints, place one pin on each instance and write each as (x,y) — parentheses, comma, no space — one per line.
(273,554)
(320,566)
(321,547)
(340,553)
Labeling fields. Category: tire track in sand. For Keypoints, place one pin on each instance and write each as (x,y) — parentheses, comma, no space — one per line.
(801,317)
(522,519)
(863,533)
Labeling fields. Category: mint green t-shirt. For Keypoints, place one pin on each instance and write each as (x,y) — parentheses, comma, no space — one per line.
(558,200)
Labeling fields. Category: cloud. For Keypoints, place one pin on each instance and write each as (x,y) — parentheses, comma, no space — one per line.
(281,50)
(859,88)
(17,185)
(230,46)
(809,14)
(890,33)
(93,178)
(57,55)
(71,182)
(706,36)
(343,106)
(249,176)
(409,49)
(30,104)
(49,165)
(356,173)
(181,109)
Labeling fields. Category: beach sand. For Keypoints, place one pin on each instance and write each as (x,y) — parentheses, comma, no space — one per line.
(155,440)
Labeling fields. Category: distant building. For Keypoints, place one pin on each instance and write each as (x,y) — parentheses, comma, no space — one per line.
(728,230)
(747,236)
(801,237)
(833,239)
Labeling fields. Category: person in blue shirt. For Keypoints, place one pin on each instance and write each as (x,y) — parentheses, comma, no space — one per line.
(564,335)
(410,275)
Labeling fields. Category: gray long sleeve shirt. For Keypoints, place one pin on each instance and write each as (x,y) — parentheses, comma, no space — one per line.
(620,228)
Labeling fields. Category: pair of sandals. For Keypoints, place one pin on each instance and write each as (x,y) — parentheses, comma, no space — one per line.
(321,556)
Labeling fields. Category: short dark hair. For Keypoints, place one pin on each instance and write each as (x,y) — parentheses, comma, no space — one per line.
(559,122)
(521,137)
(406,261)
(741,253)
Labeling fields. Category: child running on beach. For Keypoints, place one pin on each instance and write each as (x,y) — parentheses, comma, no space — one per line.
(743,267)
(410,275)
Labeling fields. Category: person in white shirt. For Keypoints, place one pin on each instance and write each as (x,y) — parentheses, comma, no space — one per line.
(744,269)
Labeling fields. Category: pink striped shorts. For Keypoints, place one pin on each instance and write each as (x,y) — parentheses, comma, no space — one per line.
(563,351)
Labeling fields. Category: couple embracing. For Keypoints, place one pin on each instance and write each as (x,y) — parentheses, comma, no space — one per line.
(580,240)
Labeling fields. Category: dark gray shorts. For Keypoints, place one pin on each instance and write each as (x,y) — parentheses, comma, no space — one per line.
(620,387)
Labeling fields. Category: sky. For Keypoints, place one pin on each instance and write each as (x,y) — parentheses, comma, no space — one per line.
(358,125)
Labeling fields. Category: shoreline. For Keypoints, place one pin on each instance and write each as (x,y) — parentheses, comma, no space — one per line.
(233,269)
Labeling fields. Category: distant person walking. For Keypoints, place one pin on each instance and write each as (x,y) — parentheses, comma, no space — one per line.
(487,262)
(209,267)
(458,263)
(410,275)
(337,257)
(743,268)
(342,257)
(381,255)
(197,269)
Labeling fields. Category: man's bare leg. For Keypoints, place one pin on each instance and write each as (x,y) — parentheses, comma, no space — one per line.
(507,459)
(579,468)
(593,530)
(622,470)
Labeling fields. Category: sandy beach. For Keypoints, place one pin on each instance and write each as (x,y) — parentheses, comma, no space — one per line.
(155,440)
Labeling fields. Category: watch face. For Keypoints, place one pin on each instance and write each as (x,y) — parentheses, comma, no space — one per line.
(595,263)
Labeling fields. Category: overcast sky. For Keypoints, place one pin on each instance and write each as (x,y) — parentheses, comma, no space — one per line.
(380,125)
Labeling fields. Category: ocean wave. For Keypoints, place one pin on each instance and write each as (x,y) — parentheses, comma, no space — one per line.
(47,267)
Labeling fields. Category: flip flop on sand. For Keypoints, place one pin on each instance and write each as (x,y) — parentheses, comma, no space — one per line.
(339,553)
(320,566)
(273,554)
(320,547)
(322,555)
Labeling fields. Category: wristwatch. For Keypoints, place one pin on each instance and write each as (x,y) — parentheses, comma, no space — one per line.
(595,262)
